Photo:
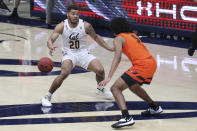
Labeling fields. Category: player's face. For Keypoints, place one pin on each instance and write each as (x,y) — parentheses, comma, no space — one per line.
(73,16)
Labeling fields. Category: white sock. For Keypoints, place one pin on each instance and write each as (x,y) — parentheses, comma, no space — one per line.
(49,94)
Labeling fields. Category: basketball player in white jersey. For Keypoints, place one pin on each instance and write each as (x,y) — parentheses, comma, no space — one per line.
(75,48)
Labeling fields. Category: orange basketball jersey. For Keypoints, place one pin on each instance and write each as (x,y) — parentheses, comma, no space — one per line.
(143,62)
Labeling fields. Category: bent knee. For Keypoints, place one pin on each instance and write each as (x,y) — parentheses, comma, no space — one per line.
(100,71)
(115,88)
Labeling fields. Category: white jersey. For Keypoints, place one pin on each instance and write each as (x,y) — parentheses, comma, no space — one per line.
(74,39)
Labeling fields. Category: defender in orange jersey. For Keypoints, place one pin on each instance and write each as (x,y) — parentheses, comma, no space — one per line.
(142,71)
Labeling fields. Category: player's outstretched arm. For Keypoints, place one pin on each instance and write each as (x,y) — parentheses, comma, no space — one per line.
(118,42)
(90,31)
(57,31)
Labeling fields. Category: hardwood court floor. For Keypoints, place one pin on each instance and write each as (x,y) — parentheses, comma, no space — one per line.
(75,105)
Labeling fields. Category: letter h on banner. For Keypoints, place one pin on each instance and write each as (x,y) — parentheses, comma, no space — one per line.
(140,8)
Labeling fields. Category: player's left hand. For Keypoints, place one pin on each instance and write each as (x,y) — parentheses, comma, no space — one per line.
(104,82)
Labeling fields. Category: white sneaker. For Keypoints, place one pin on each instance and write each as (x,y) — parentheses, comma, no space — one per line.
(46,101)
(124,122)
(46,110)
(104,92)
(151,112)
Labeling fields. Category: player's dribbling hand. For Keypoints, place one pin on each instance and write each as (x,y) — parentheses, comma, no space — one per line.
(51,49)
(104,82)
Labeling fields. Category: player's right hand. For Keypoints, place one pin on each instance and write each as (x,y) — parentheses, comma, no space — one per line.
(51,49)
(104,82)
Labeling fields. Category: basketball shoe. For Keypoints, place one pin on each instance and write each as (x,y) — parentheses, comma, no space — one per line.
(100,90)
(46,101)
(191,51)
(14,14)
(152,112)
(46,110)
(124,122)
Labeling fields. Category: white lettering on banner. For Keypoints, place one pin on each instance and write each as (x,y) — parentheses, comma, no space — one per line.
(174,11)
(165,11)
(188,8)
(140,8)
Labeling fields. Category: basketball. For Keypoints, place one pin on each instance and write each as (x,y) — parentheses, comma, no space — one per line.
(45,65)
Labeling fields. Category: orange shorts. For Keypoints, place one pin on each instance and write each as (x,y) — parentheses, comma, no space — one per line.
(139,75)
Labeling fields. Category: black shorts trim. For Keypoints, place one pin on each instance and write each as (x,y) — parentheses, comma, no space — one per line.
(141,78)
(129,80)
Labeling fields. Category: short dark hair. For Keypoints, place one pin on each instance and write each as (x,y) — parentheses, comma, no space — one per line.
(72,7)
(119,25)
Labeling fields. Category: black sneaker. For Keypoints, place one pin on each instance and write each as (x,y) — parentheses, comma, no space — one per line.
(49,26)
(123,122)
(152,112)
(14,15)
(191,51)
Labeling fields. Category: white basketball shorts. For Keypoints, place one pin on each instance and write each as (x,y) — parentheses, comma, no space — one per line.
(81,58)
